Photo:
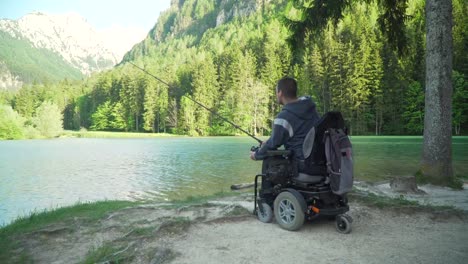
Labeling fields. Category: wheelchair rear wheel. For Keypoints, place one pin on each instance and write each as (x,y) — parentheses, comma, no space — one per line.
(288,211)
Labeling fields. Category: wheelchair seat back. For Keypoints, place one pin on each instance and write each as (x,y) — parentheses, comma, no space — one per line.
(314,169)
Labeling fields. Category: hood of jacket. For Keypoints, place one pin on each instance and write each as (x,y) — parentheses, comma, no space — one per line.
(302,108)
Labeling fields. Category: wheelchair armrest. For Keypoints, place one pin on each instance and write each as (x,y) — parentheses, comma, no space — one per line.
(274,153)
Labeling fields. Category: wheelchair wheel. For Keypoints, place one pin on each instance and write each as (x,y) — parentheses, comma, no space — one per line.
(343,224)
(288,211)
(267,214)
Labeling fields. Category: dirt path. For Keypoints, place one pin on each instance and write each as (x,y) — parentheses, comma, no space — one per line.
(225,232)
(379,236)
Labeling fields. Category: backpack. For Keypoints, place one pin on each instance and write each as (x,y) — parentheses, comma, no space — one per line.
(338,152)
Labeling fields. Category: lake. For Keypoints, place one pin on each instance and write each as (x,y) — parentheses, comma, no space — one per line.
(40,174)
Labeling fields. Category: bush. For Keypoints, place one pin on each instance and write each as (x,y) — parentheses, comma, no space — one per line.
(48,120)
(11,123)
(31,132)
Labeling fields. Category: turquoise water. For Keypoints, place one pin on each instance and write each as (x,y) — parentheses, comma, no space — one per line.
(379,158)
(40,174)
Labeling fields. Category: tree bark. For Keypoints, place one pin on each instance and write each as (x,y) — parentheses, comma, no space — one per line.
(136,122)
(436,164)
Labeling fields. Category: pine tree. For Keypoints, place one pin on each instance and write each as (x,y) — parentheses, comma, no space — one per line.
(242,84)
(150,107)
(101,119)
(132,95)
(414,109)
(118,117)
(172,115)
(276,59)
(460,101)
(187,116)
(205,91)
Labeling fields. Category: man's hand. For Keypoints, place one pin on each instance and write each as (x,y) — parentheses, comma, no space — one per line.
(252,155)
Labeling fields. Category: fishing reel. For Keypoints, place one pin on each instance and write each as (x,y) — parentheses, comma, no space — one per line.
(254,148)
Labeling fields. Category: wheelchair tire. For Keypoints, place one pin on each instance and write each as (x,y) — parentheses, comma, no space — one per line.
(343,224)
(288,211)
(267,214)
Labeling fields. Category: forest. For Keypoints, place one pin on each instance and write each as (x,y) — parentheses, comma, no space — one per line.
(229,55)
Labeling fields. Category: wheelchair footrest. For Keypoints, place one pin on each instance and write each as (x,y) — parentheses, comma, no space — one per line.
(334,211)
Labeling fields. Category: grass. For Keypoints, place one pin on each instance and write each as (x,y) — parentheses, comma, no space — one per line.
(174,226)
(144,231)
(380,158)
(456,182)
(123,251)
(382,201)
(201,200)
(89,211)
(238,211)
(109,253)
(106,134)
(388,202)
(171,226)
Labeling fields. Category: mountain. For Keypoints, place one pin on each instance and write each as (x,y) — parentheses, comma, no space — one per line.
(229,54)
(21,62)
(195,18)
(40,47)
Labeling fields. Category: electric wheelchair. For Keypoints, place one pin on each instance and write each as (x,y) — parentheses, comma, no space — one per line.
(292,196)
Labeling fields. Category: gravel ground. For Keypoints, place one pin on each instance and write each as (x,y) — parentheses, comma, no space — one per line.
(378,236)
(225,231)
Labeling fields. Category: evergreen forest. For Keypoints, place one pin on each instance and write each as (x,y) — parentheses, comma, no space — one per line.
(228,55)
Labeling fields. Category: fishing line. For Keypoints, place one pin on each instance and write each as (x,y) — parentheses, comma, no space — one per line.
(211,111)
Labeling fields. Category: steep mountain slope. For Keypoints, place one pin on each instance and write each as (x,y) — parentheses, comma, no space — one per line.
(195,18)
(20,62)
(71,44)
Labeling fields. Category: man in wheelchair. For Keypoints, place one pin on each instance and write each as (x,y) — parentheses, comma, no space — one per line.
(295,182)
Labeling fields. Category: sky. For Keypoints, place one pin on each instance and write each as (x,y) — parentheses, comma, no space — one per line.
(101,14)
(124,22)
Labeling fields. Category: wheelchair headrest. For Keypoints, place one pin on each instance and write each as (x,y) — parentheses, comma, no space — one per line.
(315,135)
(331,120)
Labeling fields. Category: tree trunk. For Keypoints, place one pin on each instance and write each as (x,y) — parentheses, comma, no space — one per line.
(157,123)
(376,123)
(136,122)
(380,121)
(436,164)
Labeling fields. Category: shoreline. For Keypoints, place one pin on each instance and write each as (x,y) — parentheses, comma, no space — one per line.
(123,135)
(107,134)
(144,232)
(123,231)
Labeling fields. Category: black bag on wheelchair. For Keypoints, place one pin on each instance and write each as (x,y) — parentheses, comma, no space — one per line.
(328,144)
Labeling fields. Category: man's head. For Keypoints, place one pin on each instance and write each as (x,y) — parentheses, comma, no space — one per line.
(286,90)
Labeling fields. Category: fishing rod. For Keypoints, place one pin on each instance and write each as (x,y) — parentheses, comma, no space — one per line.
(211,111)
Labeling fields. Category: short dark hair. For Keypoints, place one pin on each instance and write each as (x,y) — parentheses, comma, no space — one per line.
(288,86)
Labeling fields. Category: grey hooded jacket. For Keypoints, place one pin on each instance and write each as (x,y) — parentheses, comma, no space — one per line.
(290,128)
